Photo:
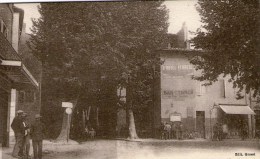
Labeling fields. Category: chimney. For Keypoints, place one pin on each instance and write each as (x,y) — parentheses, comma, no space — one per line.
(183,37)
(185,31)
(16,31)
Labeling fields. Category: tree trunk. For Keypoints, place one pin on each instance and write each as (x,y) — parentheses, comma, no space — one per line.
(130,114)
(66,122)
(83,120)
(97,118)
(64,128)
(87,115)
(132,130)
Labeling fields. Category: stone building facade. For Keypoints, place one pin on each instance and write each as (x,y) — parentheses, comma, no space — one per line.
(198,106)
(16,71)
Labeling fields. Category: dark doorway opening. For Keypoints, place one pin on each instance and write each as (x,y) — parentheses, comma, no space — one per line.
(200,123)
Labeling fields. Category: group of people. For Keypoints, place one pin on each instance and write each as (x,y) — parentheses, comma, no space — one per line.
(23,131)
(220,130)
(171,130)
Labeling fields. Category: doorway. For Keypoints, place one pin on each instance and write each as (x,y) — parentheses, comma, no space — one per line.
(200,123)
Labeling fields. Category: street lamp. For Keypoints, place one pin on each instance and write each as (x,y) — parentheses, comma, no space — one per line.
(210,112)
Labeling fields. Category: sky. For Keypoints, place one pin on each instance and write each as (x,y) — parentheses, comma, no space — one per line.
(179,11)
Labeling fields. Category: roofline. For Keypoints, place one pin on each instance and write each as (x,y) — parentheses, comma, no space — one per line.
(182,50)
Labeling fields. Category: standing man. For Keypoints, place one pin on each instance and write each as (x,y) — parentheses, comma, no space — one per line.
(181,131)
(173,131)
(244,130)
(220,131)
(168,130)
(37,132)
(162,130)
(17,126)
(215,132)
(225,131)
(26,139)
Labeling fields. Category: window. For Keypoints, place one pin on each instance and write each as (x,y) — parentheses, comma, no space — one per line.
(201,89)
(3,28)
(223,92)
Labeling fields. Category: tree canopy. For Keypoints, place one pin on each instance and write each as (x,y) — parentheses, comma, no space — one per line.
(230,38)
(84,44)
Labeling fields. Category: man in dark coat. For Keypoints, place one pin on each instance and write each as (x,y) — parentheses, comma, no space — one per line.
(37,133)
(162,130)
(215,132)
(26,138)
(181,131)
(17,126)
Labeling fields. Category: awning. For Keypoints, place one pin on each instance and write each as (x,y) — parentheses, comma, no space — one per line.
(17,72)
(236,109)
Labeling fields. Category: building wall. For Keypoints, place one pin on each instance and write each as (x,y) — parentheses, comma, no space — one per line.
(11,97)
(185,96)
(29,102)
(4,106)
(28,96)
(6,14)
(16,31)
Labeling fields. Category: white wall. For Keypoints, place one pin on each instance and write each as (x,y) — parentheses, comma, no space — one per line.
(13,103)
(15,33)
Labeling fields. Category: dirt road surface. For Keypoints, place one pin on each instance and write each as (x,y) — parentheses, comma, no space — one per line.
(149,149)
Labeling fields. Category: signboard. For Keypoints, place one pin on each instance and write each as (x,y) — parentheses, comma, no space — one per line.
(121,93)
(68,111)
(177,70)
(67,105)
(178,94)
(175,117)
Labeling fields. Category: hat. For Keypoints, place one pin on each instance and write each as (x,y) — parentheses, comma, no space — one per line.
(38,116)
(19,112)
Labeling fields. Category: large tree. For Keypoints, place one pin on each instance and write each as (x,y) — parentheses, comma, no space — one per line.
(230,38)
(81,44)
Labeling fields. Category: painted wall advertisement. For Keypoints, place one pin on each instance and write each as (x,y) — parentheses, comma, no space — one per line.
(178,94)
(177,70)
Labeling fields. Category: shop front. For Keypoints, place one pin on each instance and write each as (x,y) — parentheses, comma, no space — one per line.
(237,119)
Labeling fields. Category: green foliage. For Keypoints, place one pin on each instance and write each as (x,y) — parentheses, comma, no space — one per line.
(230,36)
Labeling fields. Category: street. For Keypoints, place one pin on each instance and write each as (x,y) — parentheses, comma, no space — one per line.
(150,149)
